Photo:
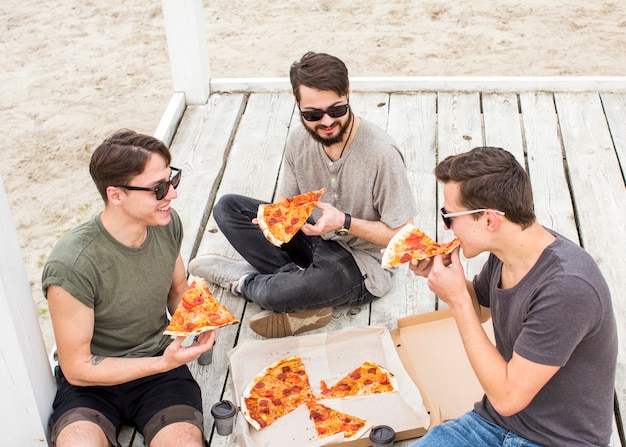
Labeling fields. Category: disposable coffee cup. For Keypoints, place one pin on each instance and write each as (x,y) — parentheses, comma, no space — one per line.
(382,436)
(224,412)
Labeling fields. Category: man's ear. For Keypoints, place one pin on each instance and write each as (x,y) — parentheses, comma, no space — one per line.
(114,195)
(493,220)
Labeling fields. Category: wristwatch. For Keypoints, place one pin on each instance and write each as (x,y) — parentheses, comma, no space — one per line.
(345,229)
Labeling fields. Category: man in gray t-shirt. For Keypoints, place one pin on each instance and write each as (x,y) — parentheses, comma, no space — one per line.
(335,258)
(549,379)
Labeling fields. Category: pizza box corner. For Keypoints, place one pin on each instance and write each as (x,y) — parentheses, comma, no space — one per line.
(427,346)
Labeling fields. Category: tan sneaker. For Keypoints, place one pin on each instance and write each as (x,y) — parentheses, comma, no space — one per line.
(275,325)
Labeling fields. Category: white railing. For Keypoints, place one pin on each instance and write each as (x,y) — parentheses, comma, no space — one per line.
(26,382)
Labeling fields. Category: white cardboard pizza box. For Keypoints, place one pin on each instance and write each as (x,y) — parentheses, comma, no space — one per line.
(425,353)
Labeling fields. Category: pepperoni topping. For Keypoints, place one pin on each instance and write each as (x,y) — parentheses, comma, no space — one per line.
(355,375)
(405,258)
(189,326)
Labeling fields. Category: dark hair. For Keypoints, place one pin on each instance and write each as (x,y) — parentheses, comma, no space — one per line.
(123,156)
(490,177)
(319,71)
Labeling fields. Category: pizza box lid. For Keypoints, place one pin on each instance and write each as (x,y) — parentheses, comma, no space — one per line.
(432,353)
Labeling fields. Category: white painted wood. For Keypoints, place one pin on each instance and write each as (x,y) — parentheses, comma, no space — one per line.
(26,382)
(439,84)
(168,124)
(459,130)
(187,47)
(598,187)
(413,125)
(200,149)
(615,110)
(551,194)
(502,123)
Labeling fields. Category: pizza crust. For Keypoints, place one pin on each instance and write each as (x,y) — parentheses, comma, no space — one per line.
(265,227)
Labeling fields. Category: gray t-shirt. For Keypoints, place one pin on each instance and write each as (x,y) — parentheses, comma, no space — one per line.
(559,314)
(126,287)
(368,182)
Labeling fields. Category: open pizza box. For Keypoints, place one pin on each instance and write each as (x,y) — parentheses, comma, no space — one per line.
(425,353)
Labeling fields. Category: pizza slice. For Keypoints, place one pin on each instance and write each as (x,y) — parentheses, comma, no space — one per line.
(280,221)
(329,421)
(276,391)
(411,243)
(368,378)
(198,311)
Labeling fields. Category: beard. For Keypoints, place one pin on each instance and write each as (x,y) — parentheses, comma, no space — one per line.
(329,141)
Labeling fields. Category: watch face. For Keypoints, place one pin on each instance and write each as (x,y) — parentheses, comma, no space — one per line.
(341,232)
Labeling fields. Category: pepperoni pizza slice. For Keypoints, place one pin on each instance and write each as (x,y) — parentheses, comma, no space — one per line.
(329,421)
(367,378)
(411,243)
(276,391)
(198,311)
(280,221)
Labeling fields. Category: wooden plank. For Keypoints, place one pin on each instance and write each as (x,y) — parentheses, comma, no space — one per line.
(200,148)
(413,125)
(599,196)
(502,123)
(553,203)
(615,110)
(257,148)
(459,130)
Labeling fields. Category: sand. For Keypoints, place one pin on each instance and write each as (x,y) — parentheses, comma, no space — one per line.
(75,71)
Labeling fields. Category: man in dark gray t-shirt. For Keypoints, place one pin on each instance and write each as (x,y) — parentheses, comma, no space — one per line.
(549,379)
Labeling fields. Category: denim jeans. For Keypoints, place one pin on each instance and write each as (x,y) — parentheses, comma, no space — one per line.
(306,273)
(471,430)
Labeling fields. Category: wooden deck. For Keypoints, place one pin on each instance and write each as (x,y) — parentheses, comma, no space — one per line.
(573,144)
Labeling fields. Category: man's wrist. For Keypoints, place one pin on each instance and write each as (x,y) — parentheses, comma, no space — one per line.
(345,229)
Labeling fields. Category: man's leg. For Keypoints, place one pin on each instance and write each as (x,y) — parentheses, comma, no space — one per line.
(166,408)
(233,214)
(299,300)
(83,415)
(467,430)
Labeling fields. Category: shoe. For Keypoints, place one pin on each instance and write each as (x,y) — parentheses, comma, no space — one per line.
(275,325)
(220,270)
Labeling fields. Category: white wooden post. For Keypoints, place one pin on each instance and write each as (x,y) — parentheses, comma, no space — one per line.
(187,46)
(27,385)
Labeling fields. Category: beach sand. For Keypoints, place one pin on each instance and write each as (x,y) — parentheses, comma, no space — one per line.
(75,71)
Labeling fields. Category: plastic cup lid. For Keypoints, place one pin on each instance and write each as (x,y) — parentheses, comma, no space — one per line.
(223,409)
(382,434)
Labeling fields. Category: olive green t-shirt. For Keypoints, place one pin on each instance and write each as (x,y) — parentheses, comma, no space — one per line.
(126,287)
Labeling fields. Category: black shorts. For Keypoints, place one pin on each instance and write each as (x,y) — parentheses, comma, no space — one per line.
(149,403)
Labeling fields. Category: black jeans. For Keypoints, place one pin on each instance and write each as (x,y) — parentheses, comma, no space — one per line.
(306,273)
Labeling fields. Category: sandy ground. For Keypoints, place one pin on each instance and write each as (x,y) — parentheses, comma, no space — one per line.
(74,71)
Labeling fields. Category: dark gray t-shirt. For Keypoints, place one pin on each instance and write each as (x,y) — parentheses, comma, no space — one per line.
(368,182)
(126,287)
(559,314)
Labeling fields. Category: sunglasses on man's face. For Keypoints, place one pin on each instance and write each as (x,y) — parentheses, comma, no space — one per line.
(447,217)
(333,112)
(161,189)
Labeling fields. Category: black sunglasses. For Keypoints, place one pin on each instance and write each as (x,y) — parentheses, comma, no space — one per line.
(333,112)
(161,189)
